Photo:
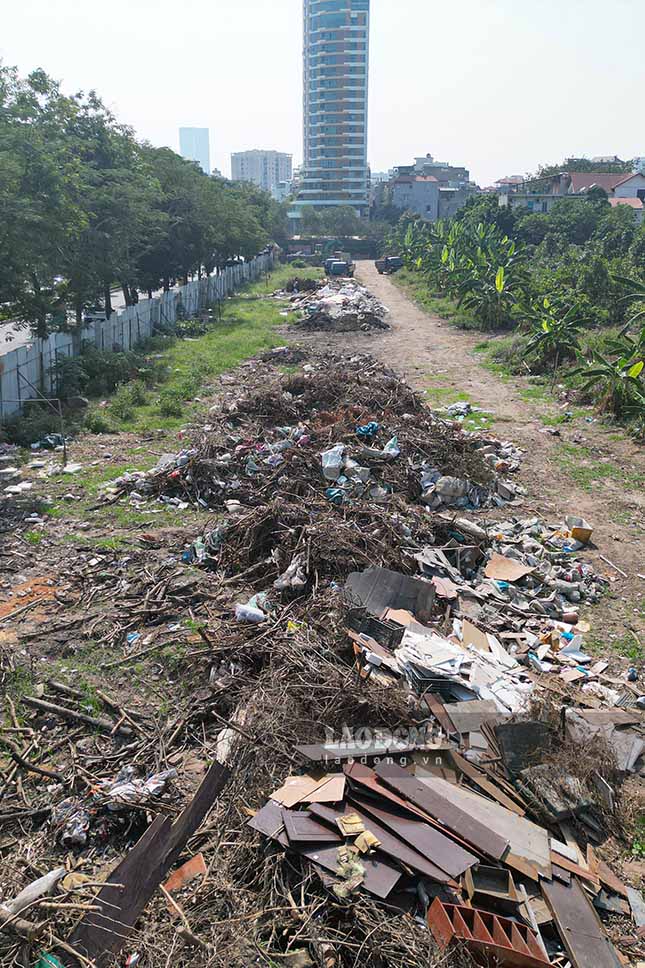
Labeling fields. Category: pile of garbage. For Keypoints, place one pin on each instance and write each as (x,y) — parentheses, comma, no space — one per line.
(312,436)
(74,819)
(427,763)
(339,306)
(299,284)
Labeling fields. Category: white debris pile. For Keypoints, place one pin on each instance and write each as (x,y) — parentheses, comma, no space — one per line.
(342,306)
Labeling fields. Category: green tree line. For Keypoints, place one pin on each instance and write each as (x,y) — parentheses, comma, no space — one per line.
(550,277)
(84,206)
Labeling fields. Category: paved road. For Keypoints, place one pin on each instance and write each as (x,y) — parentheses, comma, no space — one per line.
(12,336)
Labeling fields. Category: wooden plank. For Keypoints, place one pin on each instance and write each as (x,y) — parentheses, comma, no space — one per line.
(561,874)
(606,876)
(579,926)
(366,777)
(424,839)
(529,848)
(380,876)
(328,788)
(565,864)
(331,753)
(469,716)
(443,808)
(480,780)
(371,786)
(195,813)
(499,779)
(440,713)
(391,846)
(268,821)
(99,937)
(301,827)
(611,717)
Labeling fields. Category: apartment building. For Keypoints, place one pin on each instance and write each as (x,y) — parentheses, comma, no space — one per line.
(336,68)
(266,169)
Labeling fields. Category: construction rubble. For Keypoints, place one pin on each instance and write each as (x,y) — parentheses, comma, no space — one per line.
(393,745)
(337,305)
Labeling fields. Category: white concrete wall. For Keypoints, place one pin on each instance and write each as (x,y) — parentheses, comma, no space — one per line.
(28,369)
(419,197)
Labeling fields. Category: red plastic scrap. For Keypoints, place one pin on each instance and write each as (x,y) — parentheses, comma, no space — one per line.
(511,944)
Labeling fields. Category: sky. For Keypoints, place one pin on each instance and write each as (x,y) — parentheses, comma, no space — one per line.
(499,86)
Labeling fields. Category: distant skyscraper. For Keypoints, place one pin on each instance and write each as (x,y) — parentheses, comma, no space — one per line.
(336,67)
(194,145)
(264,168)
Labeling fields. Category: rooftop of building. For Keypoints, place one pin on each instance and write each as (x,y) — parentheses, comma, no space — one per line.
(582,180)
(409,179)
(632,202)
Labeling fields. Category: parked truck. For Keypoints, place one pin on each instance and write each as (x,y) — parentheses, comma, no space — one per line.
(389,265)
(340,264)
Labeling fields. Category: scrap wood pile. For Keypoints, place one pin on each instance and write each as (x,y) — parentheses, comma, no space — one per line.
(427,768)
(337,306)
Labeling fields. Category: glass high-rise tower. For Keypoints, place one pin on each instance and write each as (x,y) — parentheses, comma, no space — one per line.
(194,145)
(336,67)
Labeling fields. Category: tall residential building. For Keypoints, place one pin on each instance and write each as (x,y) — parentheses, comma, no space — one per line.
(336,68)
(264,168)
(194,145)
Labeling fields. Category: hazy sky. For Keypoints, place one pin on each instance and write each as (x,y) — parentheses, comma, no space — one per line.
(497,85)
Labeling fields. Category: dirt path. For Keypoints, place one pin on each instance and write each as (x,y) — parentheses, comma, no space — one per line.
(590,470)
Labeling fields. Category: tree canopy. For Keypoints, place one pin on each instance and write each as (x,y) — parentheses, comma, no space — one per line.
(84,206)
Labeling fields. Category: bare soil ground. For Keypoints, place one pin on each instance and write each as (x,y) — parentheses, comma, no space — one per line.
(592,470)
(56,578)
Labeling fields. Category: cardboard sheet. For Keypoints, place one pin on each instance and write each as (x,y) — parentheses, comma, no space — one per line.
(471,635)
(500,568)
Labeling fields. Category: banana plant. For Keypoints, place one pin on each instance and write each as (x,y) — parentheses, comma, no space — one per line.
(618,382)
(636,292)
(555,333)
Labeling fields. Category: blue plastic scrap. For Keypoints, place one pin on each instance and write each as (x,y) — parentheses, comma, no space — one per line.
(368,430)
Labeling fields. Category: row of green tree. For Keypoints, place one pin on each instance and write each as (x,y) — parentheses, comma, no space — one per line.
(84,206)
(341,222)
(554,277)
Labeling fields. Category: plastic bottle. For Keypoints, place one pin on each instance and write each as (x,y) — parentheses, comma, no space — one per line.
(332,462)
(250,615)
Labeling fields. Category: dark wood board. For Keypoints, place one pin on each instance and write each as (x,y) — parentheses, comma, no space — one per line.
(424,839)
(368,784)
(100,936)
(579,926)
(440,807)
(301,827)
(391,846)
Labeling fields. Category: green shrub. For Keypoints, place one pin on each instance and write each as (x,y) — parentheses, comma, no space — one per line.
(35,423)
(122,404)
(138,393)
(96,422)
(171,403)
(70,376)
(509,352)
(106,371)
